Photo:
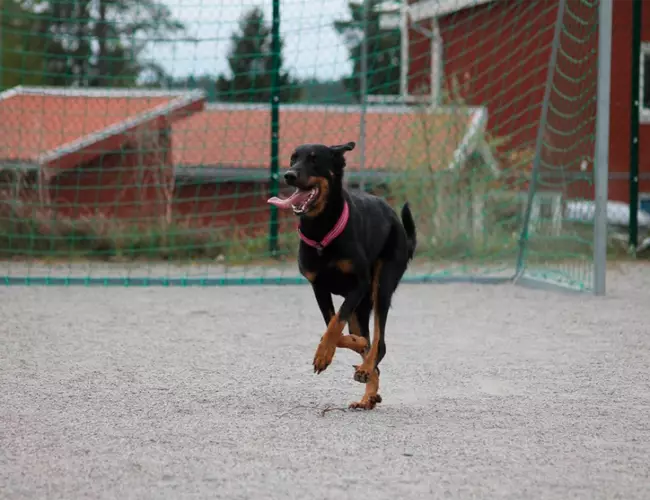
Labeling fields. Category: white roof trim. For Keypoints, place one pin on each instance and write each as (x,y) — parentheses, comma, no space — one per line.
(94,92)
(426,9)
(473,141)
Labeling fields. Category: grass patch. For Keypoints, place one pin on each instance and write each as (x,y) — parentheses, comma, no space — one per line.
(30,231)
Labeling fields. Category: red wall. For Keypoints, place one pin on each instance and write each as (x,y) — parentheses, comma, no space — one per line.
(619,145)
(123,184)
(419,70)
(116,188)
(501,50)
(240,205)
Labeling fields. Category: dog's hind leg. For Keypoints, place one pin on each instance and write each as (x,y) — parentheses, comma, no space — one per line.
(371,396)
(360,319)
(382,290)
(386,277)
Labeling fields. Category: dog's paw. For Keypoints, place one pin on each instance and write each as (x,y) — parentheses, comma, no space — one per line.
(323,357)
(362,374)
(366,403)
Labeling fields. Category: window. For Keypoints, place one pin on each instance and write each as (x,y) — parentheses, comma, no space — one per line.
(644,87)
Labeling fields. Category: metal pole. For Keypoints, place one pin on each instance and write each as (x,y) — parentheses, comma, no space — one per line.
(404,50)
(274,181)
(2,57)
(637,11)
(363,88)
(523,237)
(602,143)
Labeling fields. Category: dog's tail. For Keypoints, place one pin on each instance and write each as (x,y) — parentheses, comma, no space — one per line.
(409,227)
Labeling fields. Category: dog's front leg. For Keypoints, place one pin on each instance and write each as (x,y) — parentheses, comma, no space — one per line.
(327,347)
(324,300)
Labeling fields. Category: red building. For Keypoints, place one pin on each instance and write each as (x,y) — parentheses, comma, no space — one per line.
(499,52)
(86,152)
(222,155)
(136,155)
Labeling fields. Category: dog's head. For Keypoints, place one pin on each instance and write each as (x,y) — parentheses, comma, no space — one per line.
(316,171)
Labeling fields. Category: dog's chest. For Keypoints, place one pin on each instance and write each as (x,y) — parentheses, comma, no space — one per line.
(336,276)
(337,281)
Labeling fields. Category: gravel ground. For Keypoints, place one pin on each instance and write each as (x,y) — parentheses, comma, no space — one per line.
(489,392)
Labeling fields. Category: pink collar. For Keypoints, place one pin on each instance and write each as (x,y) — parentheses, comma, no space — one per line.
(333,234)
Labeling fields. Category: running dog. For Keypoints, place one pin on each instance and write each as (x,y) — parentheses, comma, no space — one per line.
(352,244)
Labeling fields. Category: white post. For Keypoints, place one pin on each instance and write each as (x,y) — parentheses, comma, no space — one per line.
(601,173)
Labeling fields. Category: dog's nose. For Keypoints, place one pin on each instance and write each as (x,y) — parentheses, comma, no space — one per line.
(290,177)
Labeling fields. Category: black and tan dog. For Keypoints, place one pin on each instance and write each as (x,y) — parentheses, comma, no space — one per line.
(352,245)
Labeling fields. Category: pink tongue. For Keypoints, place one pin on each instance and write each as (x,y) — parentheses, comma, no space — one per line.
(297,197)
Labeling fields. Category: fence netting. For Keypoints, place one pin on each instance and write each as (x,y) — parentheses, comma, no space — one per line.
(136,136)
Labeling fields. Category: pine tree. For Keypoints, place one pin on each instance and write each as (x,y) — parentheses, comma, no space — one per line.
(21,49)
(251,64)
(93,43)
(383,51)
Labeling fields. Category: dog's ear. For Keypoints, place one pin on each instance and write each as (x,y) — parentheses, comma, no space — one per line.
(342,148)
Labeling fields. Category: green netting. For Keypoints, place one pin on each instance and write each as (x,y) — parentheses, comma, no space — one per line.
(139,140)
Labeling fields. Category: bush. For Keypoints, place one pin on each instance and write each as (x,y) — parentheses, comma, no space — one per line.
(29,230)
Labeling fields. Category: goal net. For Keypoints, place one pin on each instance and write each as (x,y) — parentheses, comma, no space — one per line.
(140,141)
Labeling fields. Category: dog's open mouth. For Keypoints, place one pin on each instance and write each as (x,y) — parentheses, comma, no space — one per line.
(300,201)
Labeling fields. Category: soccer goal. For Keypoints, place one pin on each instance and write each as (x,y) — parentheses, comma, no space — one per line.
(139,145)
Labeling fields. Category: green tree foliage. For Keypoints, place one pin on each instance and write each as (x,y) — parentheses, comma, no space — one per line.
(206,83)
(92,43)
(251,64)
(120,30)
(383,50)
(325,92)
(22,48)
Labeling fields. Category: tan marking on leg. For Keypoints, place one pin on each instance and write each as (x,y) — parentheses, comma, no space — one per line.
(327,347)
(345,266)
(375,282)
(364,371)
(353,342)
(311,276)
(371,396)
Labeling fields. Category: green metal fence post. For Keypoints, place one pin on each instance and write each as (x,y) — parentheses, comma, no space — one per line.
(363,87)
(274,181)
(637,10)
(2,57)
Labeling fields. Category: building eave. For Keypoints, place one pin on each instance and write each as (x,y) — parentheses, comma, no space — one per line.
(428,9)
(203,174)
